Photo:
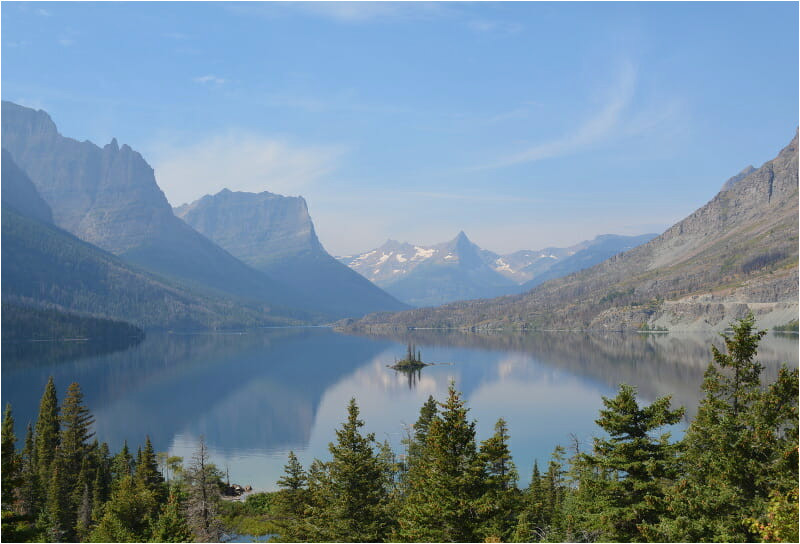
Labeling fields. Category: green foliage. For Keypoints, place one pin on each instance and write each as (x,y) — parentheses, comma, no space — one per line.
(441,490)
(622,481)
(791,326)
(500,504)
(10,460)
(352,489)
(740,448)
(21,323)
(46,437)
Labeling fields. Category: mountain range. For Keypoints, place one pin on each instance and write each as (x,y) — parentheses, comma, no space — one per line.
(460,270)
(109,198)
(737,253)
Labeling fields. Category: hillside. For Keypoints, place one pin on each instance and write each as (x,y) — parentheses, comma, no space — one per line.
(275,235)
(46,267)
(736,253)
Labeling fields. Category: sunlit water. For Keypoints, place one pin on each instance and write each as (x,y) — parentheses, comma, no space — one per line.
(256,395)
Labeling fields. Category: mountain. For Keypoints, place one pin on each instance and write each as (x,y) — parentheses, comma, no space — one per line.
(422,275)
(19,193)
(590,253)
(109,197)
(47,267)
(737,253)
(275,234)
(427,276)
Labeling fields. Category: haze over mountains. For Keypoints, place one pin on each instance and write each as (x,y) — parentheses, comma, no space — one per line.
(460,270)
(737,253)
(109,198)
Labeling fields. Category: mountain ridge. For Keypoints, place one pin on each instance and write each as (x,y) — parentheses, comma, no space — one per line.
(735,254)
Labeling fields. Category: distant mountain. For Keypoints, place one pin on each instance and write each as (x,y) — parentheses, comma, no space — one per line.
(737,253)
(590,253)
(275,234)
(428,276)
(421,275)
(109,197)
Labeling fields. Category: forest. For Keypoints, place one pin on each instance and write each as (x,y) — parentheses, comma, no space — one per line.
(732,476)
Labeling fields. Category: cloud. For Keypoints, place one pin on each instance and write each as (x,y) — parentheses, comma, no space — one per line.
(209,79)
(490,26)
(596,129)
(44,12)
(66,42)
(240,161)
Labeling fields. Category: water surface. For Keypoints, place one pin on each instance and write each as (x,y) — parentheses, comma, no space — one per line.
(256,395)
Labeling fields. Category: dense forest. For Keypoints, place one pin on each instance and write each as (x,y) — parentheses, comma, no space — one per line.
(732,477)
(22,323)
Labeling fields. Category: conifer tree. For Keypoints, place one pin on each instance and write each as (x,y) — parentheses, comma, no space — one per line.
(128,515)
(355,487)
(10,460)
(30,494)
(741,445)
(46,436)
(147,471)
(501,499)
(55,519)
(74,447)
(202,503)
(442,490)
(292,500)
(171,525)
(623,480)
(121,464)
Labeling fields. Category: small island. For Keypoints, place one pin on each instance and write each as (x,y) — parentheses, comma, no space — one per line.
(413,360)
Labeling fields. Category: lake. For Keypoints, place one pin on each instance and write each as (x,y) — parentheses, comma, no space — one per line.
(258,394)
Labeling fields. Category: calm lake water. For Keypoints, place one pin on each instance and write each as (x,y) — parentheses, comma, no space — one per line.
(257,395)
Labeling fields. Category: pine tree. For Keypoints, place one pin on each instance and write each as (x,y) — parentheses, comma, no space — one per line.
(740,447)
(501,499)
(10,460)
(30,493)
(128,515)
(292,500)
(55,517)
(121,464)
(171,525)
(442,490)
(147,472)
(623,480)
(354,489)
(46,436)
(202,503)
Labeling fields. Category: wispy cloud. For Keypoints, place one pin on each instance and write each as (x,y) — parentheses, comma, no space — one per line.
(494,26)
(66,42)
(209,79)
(242,161)
(597,128)
(44,12)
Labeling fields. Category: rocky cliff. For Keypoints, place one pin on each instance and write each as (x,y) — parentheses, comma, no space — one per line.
(275,234)
(109,197)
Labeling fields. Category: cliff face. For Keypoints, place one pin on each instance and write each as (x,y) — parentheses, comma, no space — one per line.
(739,250)
(275,234)
(109,197)
(20,194)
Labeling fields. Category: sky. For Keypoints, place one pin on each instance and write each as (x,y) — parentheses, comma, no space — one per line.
(525,125)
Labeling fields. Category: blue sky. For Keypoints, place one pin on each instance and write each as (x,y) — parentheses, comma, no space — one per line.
(523,124)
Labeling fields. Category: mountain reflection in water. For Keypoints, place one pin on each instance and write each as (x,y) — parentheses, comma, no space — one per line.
(256,395)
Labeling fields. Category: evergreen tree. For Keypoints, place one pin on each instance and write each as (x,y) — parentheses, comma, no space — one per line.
(501,499)
(46,436)
(30,493)
(10,460)
(623,480)
(202,504)
(292,500)
(442,490)
(147,471)
(740,448)
(354,490)
(128,515)
(122,464)
(171,525)
(55,519)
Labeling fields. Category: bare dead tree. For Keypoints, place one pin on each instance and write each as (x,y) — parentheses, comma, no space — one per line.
(202,505)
